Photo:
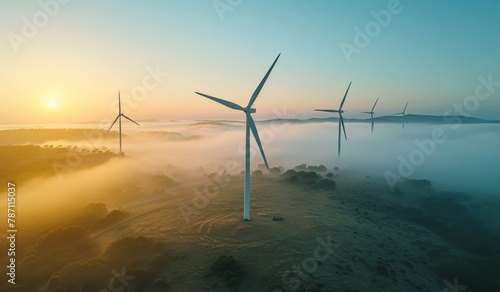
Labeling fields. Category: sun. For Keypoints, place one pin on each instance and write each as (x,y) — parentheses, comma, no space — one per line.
(52,103)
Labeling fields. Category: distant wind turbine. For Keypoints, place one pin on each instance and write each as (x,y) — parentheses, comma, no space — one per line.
(372,113)
(119,119)
(341,119)
(250,126)
(403,113)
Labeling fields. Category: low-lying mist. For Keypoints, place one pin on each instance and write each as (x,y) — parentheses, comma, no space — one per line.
(456,159)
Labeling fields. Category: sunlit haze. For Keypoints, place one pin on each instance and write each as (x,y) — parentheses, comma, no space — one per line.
(238,145)
(71,67)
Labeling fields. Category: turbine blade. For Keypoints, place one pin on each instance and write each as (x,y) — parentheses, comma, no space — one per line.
(406,107)
(261,84)
(343,126)
(114,122)
(345,95)
(130,119)
(222,101)
(119,103)
(327,110)
(375,104)
(251,123)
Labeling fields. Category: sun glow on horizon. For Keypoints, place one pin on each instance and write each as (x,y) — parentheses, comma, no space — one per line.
(52,103)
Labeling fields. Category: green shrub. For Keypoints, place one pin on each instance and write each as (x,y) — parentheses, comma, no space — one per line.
(159,261)
(327,184)
(301,167)
(126,251)
(88,275)
(320,168)
(257,173)
(289,173)
(228,269)
(275,170)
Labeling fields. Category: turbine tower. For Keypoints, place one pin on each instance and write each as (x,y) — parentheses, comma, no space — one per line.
(372,113)
(119,119)
(403,113)
(340,111)
(250,126)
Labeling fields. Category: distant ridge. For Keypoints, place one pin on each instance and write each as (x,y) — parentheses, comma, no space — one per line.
(438,119)
(418,119)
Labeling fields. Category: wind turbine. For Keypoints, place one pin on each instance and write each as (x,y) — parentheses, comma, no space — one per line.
(403,113)
(372,113)
(340,111)
(119,119)
(250,126)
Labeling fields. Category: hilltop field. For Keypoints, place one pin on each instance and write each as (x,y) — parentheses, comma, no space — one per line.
(91,220)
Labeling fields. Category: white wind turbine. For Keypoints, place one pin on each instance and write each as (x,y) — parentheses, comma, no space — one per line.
(372,113)
(340,111)
(119,119)
(403,113)
(250,126)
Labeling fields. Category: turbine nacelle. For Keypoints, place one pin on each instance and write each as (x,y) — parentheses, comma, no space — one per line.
(404,110)
(119,119)
(340,111)
(250,111)
(403,114)
(371,113)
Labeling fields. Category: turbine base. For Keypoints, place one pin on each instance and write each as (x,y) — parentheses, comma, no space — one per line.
(246,219)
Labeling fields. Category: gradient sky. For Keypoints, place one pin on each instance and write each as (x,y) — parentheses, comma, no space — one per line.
(431,53)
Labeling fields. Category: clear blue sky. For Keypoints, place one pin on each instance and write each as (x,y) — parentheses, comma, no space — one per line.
(430,53)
